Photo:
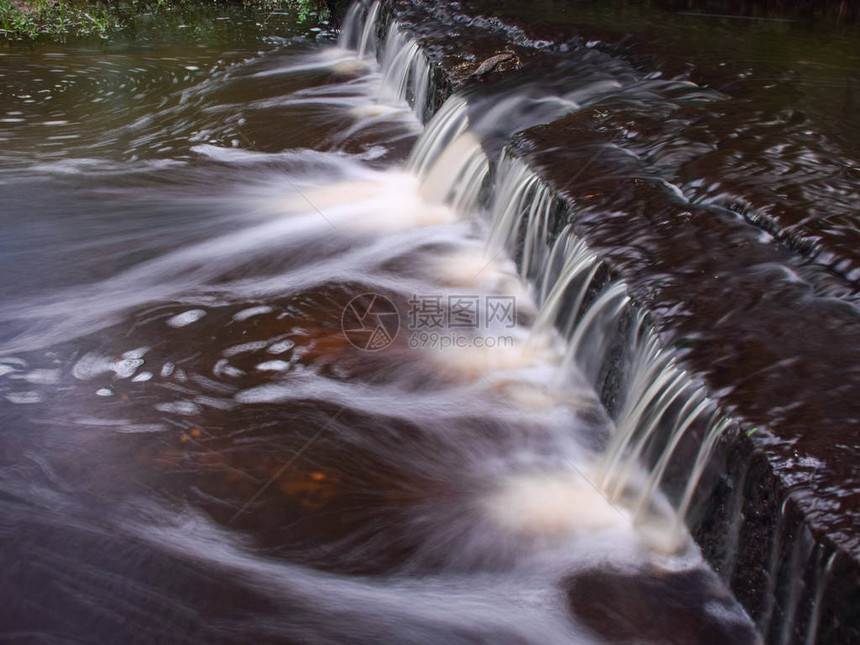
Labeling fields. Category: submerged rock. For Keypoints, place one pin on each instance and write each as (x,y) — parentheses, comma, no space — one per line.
(658,606)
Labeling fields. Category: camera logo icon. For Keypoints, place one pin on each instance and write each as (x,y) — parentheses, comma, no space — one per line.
(370,322)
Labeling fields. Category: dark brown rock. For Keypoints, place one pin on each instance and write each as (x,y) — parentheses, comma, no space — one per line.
(656,606)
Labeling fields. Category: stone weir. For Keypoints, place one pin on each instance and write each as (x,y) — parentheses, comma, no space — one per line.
(721,192)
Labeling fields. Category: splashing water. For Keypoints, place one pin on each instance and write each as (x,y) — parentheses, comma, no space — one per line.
(183,380)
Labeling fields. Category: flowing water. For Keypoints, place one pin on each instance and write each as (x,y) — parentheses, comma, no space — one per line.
(269,374)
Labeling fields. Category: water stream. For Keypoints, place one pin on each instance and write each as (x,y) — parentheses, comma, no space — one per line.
(269,369)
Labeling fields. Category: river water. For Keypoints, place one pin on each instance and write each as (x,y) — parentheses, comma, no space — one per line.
(265,378)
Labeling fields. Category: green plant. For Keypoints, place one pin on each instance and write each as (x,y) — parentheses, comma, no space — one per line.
(58,19)
(30,19)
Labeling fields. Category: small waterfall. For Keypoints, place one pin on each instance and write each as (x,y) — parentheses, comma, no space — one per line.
(222,370)
(651,398)
(449,159)
(653,401)
(514,196)
(348,38)
(368,44)
(405,69)
(579,266)
(451,121)
(406,74)
(458,174)
(655,404)
(359,27)
(812,629)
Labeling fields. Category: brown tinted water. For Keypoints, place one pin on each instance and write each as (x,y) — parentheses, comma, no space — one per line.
(194,449)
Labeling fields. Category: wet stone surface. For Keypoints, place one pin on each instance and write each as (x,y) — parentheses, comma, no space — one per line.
(766,328)
(623,606)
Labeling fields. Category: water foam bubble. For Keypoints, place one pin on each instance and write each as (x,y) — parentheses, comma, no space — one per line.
(551,505)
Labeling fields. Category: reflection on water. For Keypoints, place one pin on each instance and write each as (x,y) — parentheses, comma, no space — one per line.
(192,449)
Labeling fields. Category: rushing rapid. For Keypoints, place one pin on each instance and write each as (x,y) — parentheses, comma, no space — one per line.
(270,372)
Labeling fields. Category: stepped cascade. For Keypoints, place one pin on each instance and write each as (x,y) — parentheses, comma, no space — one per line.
(386,336)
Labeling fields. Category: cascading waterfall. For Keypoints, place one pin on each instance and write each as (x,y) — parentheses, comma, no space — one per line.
(359,29)
(247,429)
(183,364)
(449,159)
(406,74)
(578,302)
(581,310)
(657,395)
(405,70)
(449,123)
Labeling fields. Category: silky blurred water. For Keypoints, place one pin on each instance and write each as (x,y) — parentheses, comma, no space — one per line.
(194,450)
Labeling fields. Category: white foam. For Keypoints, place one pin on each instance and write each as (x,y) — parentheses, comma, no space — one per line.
(251,312)
(91,365)
(466,268)
(544,504)
(140,428)
(371,110)
(384,202)
(43,377)
(531,395)
(348,66)
(24,397)
(186,408)
(281,347)
(186,318)
(479,361)
(273,366)
(253,346)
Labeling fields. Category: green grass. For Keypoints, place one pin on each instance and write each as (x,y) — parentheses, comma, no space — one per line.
(60,19)
(56,19)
